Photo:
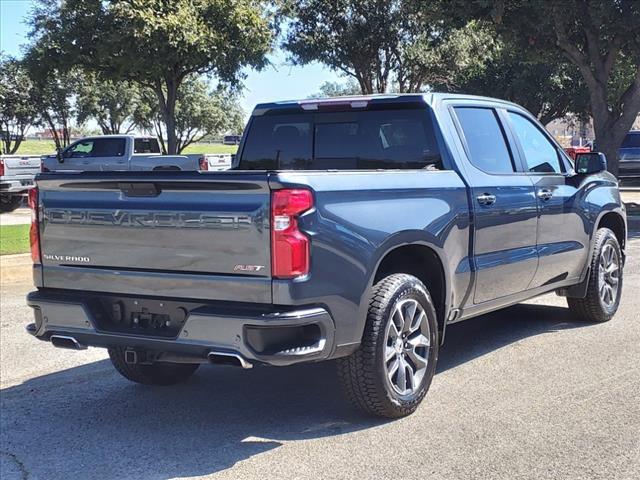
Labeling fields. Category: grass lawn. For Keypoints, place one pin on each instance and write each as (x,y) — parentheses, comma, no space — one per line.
(44,147)
(210,148)
(14,239)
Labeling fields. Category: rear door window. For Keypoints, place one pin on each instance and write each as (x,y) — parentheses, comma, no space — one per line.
(385,139)
(146,145)
(108,147)
(486,142)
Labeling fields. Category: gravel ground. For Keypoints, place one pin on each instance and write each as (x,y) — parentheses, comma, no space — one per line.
(525,393)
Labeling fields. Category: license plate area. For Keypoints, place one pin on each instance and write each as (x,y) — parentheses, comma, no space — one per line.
(139,316)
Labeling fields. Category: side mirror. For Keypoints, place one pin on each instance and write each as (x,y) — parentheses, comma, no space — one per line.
(592,162)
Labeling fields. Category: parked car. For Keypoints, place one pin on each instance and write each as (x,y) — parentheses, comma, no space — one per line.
(117,152)
(17,173)
(215,162)
(231,139)
(353,229)
(629,154)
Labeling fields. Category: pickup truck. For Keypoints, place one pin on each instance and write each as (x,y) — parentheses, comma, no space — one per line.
(630,156)
(117,152)
(354,229)
(17,174)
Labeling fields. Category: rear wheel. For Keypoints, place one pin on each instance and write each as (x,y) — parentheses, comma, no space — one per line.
(157,373)
(8,203)
(605,281)
(391,372)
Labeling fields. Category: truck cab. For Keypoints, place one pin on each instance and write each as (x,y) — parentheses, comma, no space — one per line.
(116,152)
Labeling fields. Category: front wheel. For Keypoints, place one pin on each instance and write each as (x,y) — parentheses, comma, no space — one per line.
(605,281)
(391,372)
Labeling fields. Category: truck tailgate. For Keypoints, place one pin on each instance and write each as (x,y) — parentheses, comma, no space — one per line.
(21,166)
(174,234)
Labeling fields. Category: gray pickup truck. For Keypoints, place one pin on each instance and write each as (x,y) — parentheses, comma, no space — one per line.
(17,175)
(355,229)
(117,152)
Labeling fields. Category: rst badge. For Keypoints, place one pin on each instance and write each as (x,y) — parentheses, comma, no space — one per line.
(248,268)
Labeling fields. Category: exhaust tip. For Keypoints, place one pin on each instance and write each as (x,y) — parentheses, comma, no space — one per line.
(63,341)
(227,358)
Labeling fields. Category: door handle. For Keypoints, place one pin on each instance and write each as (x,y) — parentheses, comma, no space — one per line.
(545,194)
(486,199)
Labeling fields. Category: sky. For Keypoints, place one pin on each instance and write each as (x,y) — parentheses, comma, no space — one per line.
(277,82)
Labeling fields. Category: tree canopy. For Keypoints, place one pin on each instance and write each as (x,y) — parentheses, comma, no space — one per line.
(600,39)
(374,42)
(110,103)
(17,108)
(157,43)
(200,112)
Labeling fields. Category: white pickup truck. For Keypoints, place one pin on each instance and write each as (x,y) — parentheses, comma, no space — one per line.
(118,152)
(16,178)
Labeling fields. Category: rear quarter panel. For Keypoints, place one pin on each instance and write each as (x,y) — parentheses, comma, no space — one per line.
(358,218)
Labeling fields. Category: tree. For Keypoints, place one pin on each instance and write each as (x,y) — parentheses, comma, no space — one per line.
(446,63)
(337,89)
(477,62)
(158,43)
(599,38)
(356,38)
(200,112)
(53,91)
(17,112)
(383,45)
(110,103)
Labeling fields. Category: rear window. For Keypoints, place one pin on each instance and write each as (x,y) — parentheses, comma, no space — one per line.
(632,140)
(385,139)
(146,145)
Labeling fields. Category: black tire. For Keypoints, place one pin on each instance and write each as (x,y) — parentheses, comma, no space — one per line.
(8,203)
(158,373)
(364,374)
(593,307)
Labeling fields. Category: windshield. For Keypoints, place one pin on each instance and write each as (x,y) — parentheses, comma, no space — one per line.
(632,140)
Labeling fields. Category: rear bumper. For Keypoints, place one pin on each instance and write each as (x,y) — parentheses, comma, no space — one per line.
(270,337)
(16,185)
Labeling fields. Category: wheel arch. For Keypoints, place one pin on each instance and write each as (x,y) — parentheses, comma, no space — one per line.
(424,261)
(614,221)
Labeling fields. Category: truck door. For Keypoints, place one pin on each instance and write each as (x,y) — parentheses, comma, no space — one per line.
(562,239)
(77,156)
(504,205)
(95,154)
(109,153)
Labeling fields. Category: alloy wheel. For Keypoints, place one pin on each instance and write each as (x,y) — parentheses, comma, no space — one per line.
(407,344)
(609,275)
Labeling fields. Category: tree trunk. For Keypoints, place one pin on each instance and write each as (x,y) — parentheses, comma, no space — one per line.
(170,115)
(609,137)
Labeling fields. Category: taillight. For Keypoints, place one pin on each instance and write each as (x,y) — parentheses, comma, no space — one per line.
(34,232)
(204,164)
(289,246)
(1,167)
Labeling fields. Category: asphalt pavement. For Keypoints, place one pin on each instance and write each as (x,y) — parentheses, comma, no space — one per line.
(525,393)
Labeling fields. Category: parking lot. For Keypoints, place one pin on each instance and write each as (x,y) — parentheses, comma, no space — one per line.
(522,393)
